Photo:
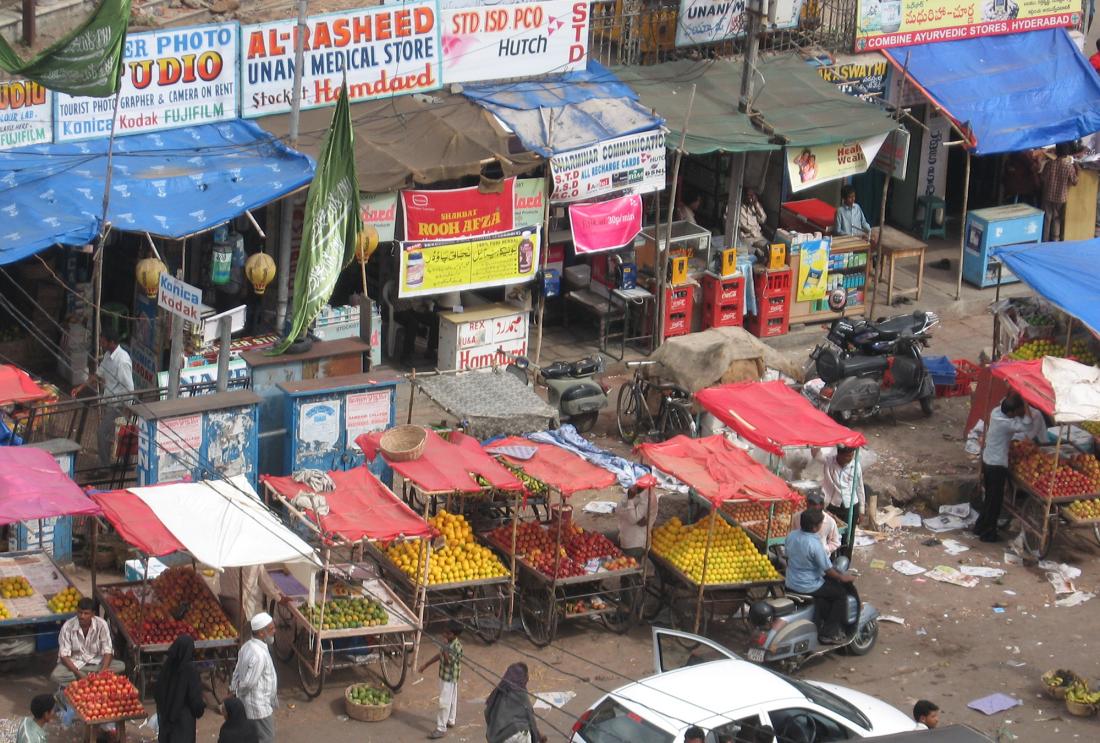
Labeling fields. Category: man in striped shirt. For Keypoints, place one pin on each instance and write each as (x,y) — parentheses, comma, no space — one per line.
(254,681)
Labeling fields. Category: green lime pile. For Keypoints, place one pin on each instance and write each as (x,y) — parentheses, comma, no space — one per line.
(369,696)
(347,613)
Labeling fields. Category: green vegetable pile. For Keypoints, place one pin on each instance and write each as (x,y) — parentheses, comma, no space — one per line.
(370,696)
(347,613)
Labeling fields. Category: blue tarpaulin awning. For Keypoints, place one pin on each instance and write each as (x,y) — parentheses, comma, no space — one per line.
(170,184)
(1013,92)
(1063,273)
(559,113)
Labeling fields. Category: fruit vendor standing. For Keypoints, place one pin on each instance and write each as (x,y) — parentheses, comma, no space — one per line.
(635,513)
(842,481)
(1010,418)
(84,646)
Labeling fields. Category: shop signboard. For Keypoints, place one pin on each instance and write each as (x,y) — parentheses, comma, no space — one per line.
(487,42)
(811,166)
(882,24)
(180,298)
(862,76)
(366,412)
(708,21)
(171,78)
(383,51)
(632,164)
(379,210)
(26,114)
(813,269)
(893,156)
(458,212)
(530,195)
(605,225)
(207,375)
(933,156)
(490,260)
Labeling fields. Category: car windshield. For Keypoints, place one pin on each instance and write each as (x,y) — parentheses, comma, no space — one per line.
(830,701)
(613,723)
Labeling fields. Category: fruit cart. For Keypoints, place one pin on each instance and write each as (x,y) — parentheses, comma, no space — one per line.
(709,570)
(35,599)
(1049,486)
(355,617)
(104,698)
(562,572)
(220,524)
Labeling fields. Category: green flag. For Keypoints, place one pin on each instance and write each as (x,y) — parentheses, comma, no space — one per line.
(88,61)
(331,226)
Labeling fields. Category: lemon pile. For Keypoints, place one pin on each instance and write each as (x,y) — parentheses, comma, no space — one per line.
(64,602)
(733,556)
(460,559)
(4,614)
(14,588)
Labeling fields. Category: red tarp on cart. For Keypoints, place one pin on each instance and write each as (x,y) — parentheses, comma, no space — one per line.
(447,466)
(556,467)
(17,386)
(1076,399)
(360,507)
(136,523)
(32,486)
(716,469)
(772,416)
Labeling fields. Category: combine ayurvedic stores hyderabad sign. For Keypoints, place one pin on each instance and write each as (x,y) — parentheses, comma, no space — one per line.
(882,24)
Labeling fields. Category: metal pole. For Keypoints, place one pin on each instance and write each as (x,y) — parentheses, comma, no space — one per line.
(104,228)
(287,211)
(30,25)
(744,105)
(544,258)
(225,330)
(668,233)
(962,230)
(733,204)
(886,189)
(175,361)
(997,315)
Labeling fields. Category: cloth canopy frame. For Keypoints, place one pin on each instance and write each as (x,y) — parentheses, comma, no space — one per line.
(33,486)
(1061,273)
(555,467)
(361,507)
(16,386)
(772,416)
(136,523)
(169,184)
(1008,93)
(716,469)
(446,466)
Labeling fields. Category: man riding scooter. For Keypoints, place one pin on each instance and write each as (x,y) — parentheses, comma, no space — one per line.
(810,572)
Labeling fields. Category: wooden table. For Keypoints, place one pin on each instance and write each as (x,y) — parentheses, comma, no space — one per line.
(895,246)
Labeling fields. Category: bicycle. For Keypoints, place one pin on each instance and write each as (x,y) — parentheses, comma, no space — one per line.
(635,418)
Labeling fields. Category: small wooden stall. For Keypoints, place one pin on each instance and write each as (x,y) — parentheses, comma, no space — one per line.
(356,613)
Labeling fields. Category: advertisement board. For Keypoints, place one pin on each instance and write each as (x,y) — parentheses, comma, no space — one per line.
(487,42)
(458,212)
(26,114)
(383,51)
(809,166)
(379,210)
(530,196)
(708,21)
(863,76)
(605,225)
(171,78)
(893,156)
(882,24)
(634,163)
(490,260)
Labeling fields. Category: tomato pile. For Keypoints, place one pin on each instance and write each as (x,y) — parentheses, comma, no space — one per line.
(535,543)
(104,696)
(182,604)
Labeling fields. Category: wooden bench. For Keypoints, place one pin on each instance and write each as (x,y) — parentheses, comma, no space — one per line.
(897,245)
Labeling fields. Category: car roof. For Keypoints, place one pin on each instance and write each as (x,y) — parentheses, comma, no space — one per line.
(949,734)
(692,695)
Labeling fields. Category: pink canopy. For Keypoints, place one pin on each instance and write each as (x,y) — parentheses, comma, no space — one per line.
(32,486)
(447,466)
(558,468)
(136,523)
(772,416)
(17,386)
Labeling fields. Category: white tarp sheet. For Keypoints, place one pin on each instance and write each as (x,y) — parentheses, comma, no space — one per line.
(223,523)
(1076,390)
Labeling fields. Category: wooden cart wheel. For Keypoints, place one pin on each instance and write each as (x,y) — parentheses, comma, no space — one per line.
(141,680)
(488,613)
(626,599)
(286,633)
(1096,532)
(682,610)
(1034,512)
(653,596)
(219,674)
(312,680)
(539,615)
(393,663)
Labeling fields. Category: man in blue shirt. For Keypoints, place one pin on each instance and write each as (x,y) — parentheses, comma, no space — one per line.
(849,215)
(810,572)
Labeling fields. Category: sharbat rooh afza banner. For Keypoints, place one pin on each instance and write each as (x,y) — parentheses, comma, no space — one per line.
(882,24)
(489,260)
(458,212)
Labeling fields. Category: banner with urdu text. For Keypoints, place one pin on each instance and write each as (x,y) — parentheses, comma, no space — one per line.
(488,260)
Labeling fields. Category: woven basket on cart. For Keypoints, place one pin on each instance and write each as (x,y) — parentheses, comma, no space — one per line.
(365,712)
(403,443)
(1080,709)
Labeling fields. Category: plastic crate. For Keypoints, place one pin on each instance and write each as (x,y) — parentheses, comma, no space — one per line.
(678,323)
(773,282)
(719,291)
(774,307)
(966,376)
(722,315)
(941,369)
(767,327)
(679,298)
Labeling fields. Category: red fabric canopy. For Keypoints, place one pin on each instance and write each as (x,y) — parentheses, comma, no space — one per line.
(1025,377)
(446,466)
(360,507)
(716,469)
(32,486)
(136,523)
(17,386)
(772,415)
(558,468)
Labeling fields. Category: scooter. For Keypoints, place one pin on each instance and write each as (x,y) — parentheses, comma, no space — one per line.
(784,630)
(572,387)
(858,335)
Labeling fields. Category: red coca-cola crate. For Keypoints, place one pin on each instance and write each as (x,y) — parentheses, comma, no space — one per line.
(719,291)
(767,327)
(773,282)
(773,307)
(722,315)
(679,299)
(678,323)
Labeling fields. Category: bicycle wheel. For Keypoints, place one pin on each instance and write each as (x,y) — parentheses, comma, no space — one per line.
(628,413)
(677,420)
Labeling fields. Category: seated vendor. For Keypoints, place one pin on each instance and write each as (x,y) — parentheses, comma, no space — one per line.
(849,216)
(753,221)
(84,646)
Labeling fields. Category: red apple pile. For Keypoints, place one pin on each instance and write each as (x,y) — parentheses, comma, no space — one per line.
(181,604)
(1063,482)
(1089,466)
(536,544)
(103,696)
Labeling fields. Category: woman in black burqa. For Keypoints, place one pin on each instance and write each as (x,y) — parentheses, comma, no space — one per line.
(178,694)
(237,728)
(509,716)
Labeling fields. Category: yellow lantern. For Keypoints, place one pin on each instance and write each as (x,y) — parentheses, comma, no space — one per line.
(260,270)
(366,243)
(148,275)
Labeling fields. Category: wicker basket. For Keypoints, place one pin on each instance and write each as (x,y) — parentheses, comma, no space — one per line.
(1055,691)
(365,712)
(403,443)
(1080,709)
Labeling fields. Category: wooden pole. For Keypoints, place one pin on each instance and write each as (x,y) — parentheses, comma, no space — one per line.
(886,187)
(962,229)
(703,577)
(545,242)
(662,260)
(412,395)
(95,550)
(423,597)
(515,530)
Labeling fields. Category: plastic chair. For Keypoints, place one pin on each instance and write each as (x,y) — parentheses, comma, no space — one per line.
(931,204)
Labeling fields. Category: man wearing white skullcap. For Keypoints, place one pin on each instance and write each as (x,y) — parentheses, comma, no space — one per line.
(254,681)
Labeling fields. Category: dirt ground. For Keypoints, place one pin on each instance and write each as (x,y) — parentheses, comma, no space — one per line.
(956,644)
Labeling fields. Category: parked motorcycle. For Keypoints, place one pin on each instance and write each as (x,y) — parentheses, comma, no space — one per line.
(784,630)
(858,335)
(572,387)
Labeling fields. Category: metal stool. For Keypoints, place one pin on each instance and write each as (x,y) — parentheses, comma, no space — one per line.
(929,228)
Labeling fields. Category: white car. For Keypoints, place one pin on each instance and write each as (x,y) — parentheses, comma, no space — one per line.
(700,683)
